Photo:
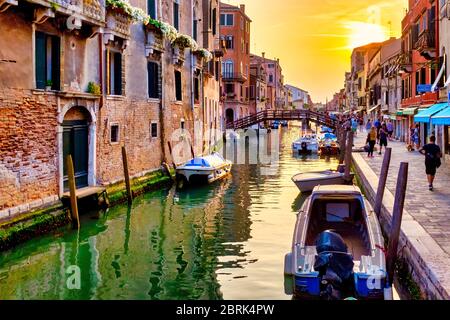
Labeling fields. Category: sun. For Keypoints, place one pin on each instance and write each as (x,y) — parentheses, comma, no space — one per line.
(362,33)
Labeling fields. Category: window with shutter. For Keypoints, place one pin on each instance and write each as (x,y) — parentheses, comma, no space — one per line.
(153,80)
(151,8)
(178,90)
(176,15)
(195,28)
(117,73)
(47,65)
(40,51)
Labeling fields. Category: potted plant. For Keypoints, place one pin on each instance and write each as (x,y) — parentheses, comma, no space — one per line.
(93,88)
(48,85)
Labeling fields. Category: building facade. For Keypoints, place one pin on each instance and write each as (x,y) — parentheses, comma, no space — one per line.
(298,97)
(89,83)
(235,32)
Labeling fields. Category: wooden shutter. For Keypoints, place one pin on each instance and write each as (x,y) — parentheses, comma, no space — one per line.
(151,8)
(56,64)
(214,23)
(117,73)
(178,92)
(195,29)
(175,16)
(153,76)
(41,53)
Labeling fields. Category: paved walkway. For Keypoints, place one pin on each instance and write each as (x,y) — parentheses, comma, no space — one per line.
(430,209)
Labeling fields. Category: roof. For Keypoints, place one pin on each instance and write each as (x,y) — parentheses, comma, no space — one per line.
(336,189)
(229,7)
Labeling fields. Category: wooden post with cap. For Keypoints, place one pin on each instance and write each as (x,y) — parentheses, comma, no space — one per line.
(73,193)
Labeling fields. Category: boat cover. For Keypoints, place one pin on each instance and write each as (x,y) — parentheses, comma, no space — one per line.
(212,161)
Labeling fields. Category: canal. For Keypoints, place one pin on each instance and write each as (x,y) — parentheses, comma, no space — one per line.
(224,241)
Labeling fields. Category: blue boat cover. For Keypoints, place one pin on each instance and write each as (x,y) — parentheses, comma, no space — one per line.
(424,116)
(442,118)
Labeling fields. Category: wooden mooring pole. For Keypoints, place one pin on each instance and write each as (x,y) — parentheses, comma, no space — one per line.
(127,175)
(342,145)
(348,156)
(73,193)
(397,215)
(382,182)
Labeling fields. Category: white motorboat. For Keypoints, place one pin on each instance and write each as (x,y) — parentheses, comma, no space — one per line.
(337,249)
(307,144)
(207,169)
(307,181)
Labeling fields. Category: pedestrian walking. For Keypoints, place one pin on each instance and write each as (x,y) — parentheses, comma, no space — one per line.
(377,125)
(383,138)
(433,155)
(371,141)
(416,137)
(354,123)
(369,125)
(390,130)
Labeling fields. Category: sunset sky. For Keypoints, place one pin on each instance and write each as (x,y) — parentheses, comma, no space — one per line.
(313,39)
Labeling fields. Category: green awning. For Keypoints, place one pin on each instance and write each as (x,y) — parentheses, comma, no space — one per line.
(410,111)
(400,112)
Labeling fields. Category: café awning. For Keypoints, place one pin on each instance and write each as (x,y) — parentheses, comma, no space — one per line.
(425,115)
(374,108)
(442,118)
(409,111)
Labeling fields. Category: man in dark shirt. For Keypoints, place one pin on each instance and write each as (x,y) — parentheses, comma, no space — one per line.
(433,155)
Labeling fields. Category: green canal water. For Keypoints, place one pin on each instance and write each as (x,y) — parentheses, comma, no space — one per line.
(223,241)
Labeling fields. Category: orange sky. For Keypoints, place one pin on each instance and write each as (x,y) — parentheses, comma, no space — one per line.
(313,39)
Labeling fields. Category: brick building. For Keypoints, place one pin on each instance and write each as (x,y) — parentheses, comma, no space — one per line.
(235,32)
(85,78)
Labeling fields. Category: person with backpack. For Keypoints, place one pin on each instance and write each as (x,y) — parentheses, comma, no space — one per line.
(433,155)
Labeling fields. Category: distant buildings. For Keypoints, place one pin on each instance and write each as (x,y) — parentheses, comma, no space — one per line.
(296,98)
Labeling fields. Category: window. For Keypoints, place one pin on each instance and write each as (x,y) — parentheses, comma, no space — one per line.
(229,42)
(151,8)
(226,19)
(270,78)
(229,88)
(182,124)
(243,45)
(153,80)
(423,78)
(271,65)
(154,130)
(178,91)
(214,21)
(242,90)
(115,73)
(47,61)
(195,30)
(176,16)
(196,90)
(227,68)
(216,64)
(114,137)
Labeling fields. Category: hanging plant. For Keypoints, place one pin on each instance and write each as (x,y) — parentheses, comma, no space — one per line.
(184,41)
(205,54)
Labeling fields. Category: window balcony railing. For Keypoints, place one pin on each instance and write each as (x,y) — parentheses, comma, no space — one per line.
(426,41)
(232,76)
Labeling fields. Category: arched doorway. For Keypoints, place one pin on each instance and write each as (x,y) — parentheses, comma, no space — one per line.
(229,114)
(75,142)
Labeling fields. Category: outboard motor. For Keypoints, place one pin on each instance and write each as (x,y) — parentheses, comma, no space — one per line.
(335,267)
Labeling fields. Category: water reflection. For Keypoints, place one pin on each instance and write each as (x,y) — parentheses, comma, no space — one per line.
(225,241)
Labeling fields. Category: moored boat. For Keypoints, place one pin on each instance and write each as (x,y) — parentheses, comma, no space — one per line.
(338,248)
(307,181)
(328,144)
(307,144)
(207,169)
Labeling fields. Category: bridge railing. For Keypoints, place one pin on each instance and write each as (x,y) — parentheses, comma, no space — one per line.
(271,115)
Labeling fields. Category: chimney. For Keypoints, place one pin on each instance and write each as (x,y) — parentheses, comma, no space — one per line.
(242,7)
(264,55)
